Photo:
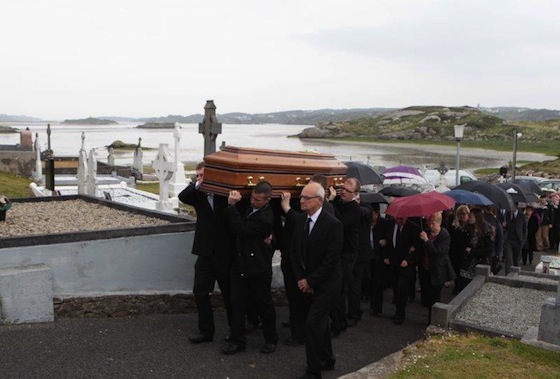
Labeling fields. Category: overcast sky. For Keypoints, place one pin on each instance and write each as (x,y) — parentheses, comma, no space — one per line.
(76,58)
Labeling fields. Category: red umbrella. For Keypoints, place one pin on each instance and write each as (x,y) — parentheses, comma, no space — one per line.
(420,205)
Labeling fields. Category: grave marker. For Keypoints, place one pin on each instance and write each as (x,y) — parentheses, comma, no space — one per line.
(164,169)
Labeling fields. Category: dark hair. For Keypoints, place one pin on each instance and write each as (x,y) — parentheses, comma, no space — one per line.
(321,179)
(481,226)
(200,166)
(355,182)
(263,188)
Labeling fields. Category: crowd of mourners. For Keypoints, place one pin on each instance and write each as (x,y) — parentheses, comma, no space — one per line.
(336,251)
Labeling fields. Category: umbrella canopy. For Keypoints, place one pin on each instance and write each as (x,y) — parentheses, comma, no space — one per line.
(518,193)
(529,185)
(420,205)
(372,198)
(397,191)
(403,174)
(466,197)
(364,173)
(497,195)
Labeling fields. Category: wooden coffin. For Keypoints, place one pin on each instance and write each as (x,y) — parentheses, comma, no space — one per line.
(238,168)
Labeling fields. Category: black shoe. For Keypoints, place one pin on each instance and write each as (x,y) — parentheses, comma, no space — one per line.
(351,322)
(286,324)
(497,269)
(398,320)
(328,366)
(229,338)
(335,333)
(374,312)
(200,338)
(268,348)
(249,327)
(292,342)
(233,348)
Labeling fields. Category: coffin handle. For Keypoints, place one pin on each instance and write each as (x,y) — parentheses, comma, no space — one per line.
(298,184)
(250,182)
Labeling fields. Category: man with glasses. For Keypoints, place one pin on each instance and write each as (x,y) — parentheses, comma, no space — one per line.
(250,273)
(347,210)
(213,243)
(315,256)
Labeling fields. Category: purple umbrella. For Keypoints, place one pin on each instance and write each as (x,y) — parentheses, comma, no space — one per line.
(403,174)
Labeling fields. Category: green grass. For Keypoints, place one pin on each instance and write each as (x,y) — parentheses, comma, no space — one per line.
(14,186)
(477,356)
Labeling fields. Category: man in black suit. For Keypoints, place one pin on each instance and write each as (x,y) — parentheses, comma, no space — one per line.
(250,273)
(380,274)
(347,210)
(401,254)
(213,244)
(515,235)
(316,256)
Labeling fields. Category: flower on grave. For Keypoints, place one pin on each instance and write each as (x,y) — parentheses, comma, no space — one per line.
(4,203)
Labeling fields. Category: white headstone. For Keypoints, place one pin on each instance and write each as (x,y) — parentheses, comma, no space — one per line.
(164,169)
(179,180)
(137,165)
(38,174)
(91,182)
(82,168)
(111,157)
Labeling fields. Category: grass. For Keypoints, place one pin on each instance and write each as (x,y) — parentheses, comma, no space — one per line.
(14,186)
(477,356)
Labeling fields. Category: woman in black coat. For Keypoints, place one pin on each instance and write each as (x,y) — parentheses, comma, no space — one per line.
(530,246)
(435,260)
(459,241)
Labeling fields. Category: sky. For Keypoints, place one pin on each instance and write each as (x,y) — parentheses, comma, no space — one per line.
(64,59)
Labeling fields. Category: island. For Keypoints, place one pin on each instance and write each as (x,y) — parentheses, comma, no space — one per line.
(157,125)
(89,121)
(7,129)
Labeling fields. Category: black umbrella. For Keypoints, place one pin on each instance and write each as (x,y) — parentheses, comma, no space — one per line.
(529,185)
(518,193)
(372,198)
(497,195)
(364,173)
(397,191)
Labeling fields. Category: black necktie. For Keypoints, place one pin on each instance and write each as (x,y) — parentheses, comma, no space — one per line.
(307,226)
(398,235)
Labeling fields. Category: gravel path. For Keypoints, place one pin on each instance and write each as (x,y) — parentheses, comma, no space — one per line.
(508,309)
(68,216)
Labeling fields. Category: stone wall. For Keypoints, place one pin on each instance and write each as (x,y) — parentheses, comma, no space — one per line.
(17,162)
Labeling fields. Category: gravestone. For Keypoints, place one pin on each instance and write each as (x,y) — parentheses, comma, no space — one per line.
(178,181)
(164,169)
(549,326)
(111,157)
(137,165)
(210,127)
(82,167)
(38,174)
(91,182)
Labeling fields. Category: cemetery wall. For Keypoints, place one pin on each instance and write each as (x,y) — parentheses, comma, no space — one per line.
(17,162)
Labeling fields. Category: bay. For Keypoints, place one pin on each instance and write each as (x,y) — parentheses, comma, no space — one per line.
(66,141)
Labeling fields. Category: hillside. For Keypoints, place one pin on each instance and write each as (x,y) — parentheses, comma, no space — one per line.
(524,114)
(89,121)
(435,123)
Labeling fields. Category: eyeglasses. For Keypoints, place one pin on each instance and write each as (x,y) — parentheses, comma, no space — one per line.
(306,198)
(347,190)
(199,175)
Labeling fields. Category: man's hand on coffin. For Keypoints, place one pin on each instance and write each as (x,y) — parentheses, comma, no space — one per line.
(285,201)
(234,197)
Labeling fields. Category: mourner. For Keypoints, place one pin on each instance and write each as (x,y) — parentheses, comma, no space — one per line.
(316,256)
(213,244)
(250,273)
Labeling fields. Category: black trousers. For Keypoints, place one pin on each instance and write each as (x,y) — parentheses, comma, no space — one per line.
(355,290)
(296,301)
(401,287)
(318,346)
(380,279)
(340,308)
(206,273)
(256,288)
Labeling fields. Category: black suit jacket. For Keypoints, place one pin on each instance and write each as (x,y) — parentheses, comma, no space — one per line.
(317,256)
(437,252)
(252,255)
(380,232)
(516,230)
(212,235)
(406,248)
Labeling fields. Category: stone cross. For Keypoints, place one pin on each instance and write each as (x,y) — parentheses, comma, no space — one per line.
(91,182)
(111,157)
(137,165)
(38,166)
(179,181)
(82,167)
(210,127)
(164,169)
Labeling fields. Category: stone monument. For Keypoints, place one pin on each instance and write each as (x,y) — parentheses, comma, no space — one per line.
(82,167)
(38,174)
(111,157)
(210,127)
(164,169)
(137,165)
(179,181)
(91,182)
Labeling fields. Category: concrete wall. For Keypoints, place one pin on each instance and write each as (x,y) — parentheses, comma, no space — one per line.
(160,263)
(18,162)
